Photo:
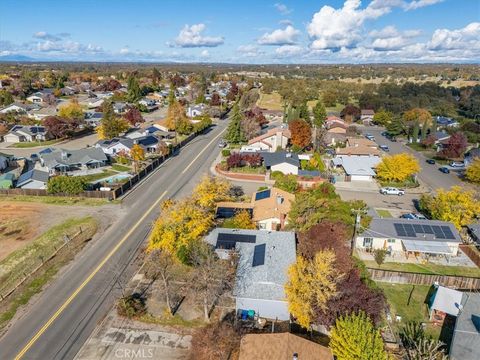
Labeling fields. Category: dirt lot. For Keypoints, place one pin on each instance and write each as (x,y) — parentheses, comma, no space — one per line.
(22,222)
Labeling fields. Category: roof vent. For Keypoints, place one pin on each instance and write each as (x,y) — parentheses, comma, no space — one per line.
(295,356)
(288,155)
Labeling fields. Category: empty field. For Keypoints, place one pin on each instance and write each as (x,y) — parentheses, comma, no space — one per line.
(271,101)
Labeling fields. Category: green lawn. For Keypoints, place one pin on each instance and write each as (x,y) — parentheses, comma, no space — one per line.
(383,213)
(428,268)
(121,168)
(56,200)
(24,145)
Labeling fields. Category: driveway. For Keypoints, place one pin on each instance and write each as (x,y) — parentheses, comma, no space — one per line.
(429,174)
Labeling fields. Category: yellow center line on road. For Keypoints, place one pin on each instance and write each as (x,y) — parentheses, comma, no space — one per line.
(67,302)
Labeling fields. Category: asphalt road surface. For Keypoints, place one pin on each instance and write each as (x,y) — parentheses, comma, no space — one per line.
(429,174)
(61,319)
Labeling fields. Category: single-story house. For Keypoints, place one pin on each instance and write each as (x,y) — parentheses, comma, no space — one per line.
(465,343)
(366,116)
(264,258)
(471,155)
(281,346)
(24,133)
(62,161)
(268,208)
(359,146)
(285,162)
(272,140)
(5,161)
(441,137)
(68,91)
(162,125)
(111,147)
(443,121)
(149,104)
(6,181)
(33,179)
(39,114)
(95,103)
(426,238)
(337,128)
(331,120)
(474,232)
(444,301)
(358,168)
(19,108)
(195,110)
(36,97)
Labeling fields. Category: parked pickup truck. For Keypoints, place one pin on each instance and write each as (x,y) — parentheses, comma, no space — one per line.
(392,191)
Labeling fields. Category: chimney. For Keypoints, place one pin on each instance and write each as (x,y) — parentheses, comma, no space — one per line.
(295,356)
(279,199)
(288,155)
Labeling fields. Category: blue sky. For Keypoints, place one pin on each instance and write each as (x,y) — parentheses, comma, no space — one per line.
(328,31)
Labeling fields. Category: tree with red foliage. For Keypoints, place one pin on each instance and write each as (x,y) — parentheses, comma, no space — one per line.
(133,116)
(215,100)
(350,113)
(353,295)
(455,146)
(59,127)
(327,235)
(257,114)
(177,81)
(429,141)
(109,85)
(301,133)
(232,94)
(234,160)
(238,160)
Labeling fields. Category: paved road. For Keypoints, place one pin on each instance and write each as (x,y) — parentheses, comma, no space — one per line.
(429,174)
(59,322)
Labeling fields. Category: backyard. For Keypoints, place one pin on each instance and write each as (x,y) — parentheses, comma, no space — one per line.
(427,268)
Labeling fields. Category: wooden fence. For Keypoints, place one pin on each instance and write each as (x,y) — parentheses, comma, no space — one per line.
(471,252)
(457,282)
(114,193)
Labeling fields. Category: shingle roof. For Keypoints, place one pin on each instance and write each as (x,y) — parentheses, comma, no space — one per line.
(81,156)
(272,207)
(33,174)
(264,281)
(271,159)
(357,165)
(466,336)
(271,132)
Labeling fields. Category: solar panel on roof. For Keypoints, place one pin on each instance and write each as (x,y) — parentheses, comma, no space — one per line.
(259,255)
(438,232)
(409,230)
(399,229)
(237,237)
(447,232)
(418,228)
(262,195)
(427,229)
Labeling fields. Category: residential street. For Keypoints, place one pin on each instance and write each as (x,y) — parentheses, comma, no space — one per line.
(60,320)
(429,174)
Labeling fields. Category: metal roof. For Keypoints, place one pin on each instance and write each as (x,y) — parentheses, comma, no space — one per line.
(466,337)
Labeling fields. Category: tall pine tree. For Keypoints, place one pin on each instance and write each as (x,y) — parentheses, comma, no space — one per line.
(134,93)
(235,133)
(319,114)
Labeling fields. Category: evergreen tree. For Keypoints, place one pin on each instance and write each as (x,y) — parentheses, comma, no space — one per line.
(319,114)
(134,94)
(235,133)
(423,132)
(396,127)
(112,125)
(304,112)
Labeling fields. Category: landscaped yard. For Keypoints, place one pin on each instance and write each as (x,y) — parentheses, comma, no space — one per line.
(121,168)
(249,170)
(23,145)
(271,101)
(428,268)
(383,213)
(94,177)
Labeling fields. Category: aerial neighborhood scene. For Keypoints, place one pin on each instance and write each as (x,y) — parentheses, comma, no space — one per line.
(246,180)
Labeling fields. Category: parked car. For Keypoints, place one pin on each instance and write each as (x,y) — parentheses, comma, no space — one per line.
(431,161)
(391,137)
(34,157)
(457,164)
(384,148)
(384,133)
(444,170)
(392,191)
(413,216)
(222,144)
(370,137)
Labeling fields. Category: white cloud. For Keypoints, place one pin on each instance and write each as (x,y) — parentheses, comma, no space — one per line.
(191,36)
(286,22)
(125,50)
(389,38)
(250,51)
(289,50)
(287,36)
(282,9)
(204,54)
(465,38)
(416,4)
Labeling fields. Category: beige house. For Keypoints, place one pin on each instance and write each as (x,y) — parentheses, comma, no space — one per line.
(359,146)
(272,140)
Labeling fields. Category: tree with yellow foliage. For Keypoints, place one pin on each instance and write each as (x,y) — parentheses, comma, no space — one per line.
(473,171)
(176,118)
(137,154)
(418,115)
(399,167)
(211,190)
(355,338)
(71,111)
(458,206)
(111,125)
(241,220)
(311,283)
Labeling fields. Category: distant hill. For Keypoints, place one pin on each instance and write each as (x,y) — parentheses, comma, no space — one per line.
(15,57)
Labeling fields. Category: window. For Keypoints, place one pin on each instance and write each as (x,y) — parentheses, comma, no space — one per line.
(391,241)
(367,242)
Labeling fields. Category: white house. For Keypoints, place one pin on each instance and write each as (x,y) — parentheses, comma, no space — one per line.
(19,108)
(285,162)
(426,238)
(195,110)
(36,98)
(95,102)
(264,258)
(358,168)
(366,116)
(21,133)
(271,141)
(33,179)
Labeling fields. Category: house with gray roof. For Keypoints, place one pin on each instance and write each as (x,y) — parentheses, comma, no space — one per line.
(466,336)
(117,145)
(20,108)
(359,168)
(24,133)
(264,259)
(285,162)
(62,161)
(33,179)
(425,238)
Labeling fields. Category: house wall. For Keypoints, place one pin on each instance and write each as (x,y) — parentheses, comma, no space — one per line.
(270,309)
(11,138)
(380,243)
(34,184)
(268,224)
(260,145)
(285,168)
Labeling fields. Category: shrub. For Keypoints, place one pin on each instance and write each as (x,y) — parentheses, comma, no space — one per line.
(287,183)
(379,255)
(70,185)
(132,306)
(275,175)
(225,152)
